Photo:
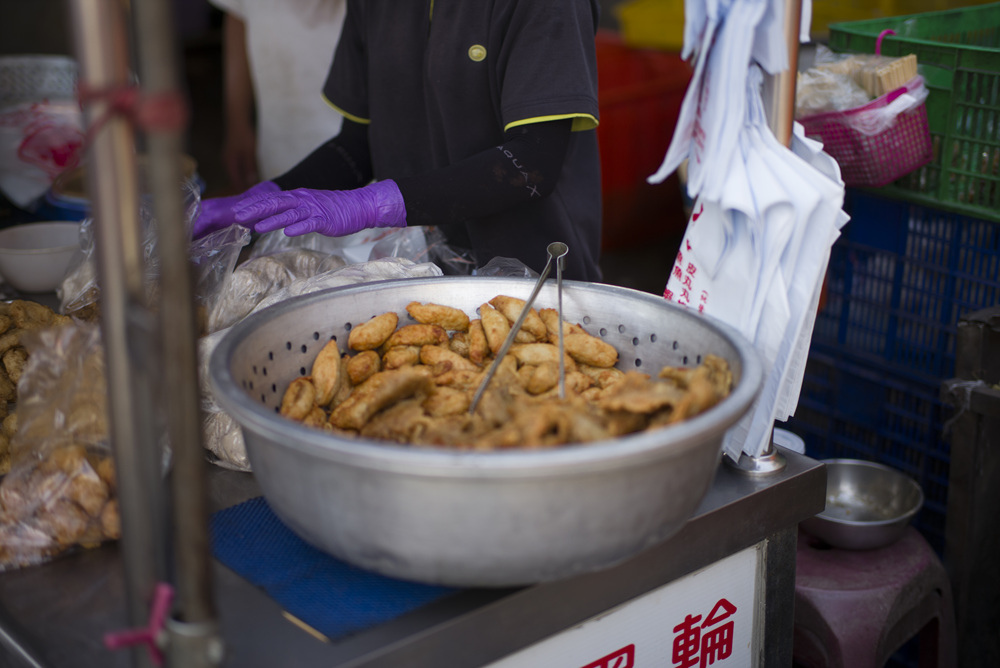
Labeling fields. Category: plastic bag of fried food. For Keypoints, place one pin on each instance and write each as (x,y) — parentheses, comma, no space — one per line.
(60,492)
(414,383)
(18,318)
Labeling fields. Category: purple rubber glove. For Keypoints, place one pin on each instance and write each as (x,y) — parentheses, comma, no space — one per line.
(218,213)
(334,213)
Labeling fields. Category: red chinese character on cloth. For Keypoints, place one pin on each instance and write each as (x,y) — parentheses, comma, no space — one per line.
(703,644)
(680,259)
(686,281)
(704,295)
(691,269)
(668,294)
(701,308)
(677,272)
(685,297)
(622,658)
(687,244)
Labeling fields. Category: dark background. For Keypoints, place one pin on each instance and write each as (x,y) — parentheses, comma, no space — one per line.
(42,27)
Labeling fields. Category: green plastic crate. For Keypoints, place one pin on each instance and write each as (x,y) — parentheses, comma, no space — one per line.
(958,53)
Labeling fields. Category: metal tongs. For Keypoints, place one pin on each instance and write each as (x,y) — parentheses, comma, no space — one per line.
(557,251)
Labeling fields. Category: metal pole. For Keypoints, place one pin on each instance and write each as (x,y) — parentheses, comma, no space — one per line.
(193,635)
(779,89)
(778,95)
(102,50)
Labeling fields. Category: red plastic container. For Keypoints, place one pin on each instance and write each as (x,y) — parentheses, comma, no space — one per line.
(640,95)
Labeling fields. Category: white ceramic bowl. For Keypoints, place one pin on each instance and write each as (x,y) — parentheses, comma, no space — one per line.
(34,257)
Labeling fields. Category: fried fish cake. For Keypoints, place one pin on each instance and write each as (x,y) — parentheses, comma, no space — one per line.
(327,374)
(399,356)
(373,333)
(381,390)
(479,348)
(363,366)
(603,376)
(299,399)
(446,401)
(511,307)
(435,314)
(550,317)
(539,353)
(417,335)
(591,350)
(495,326)
(444,359)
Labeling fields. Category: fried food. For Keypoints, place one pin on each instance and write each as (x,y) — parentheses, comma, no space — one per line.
(603,377)
(379,391)
(446,401)
(327,374)
(315,418)
(539,353)
(445,317)
(460,343)
(495,326)
(542,378)
(416,386)
(299,399)
(479,348)
(444,359)
(363,366)
(399,356)
(588,349)
(550,317)
(13,363)
(511,307)
(417,335)
(373,333)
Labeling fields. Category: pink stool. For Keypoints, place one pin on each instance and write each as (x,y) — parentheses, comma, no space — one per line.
(854,609)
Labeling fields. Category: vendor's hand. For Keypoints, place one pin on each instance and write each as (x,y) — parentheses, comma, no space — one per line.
(334,213)
(218,213)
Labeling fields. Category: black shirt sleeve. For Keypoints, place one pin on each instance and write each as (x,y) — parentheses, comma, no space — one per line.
(525,167)
(343,163)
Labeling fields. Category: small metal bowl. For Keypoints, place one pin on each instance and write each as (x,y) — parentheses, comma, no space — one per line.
(868,505)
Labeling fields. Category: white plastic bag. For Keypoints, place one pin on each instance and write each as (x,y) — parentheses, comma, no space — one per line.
(38,141)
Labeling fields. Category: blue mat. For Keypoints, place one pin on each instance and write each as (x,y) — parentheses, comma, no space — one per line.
(331,596)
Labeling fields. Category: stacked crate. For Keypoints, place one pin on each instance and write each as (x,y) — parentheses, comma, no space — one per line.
(917,256)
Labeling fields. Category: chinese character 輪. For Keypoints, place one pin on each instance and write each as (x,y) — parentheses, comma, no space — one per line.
(705,643)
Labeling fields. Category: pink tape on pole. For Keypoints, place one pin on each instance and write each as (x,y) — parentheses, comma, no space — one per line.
(163,596)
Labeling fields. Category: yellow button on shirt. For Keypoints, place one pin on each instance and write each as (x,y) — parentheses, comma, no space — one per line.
(477,52)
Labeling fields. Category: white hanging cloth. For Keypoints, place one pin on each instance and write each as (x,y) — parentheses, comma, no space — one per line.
(756,249)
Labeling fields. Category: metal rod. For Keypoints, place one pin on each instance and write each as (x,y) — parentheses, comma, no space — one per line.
(779,105)
(157,59)
(560,265)
(557,251)
(101,45)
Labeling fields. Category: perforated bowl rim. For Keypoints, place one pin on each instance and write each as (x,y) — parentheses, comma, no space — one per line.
(251,415)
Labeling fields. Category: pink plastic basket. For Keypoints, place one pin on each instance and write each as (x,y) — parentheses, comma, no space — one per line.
(869,158)
(874,159)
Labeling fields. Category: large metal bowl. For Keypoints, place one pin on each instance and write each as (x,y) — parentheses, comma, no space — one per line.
(868,505)
(478,518)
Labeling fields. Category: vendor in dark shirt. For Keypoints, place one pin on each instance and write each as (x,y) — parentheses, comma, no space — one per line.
(475,117)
